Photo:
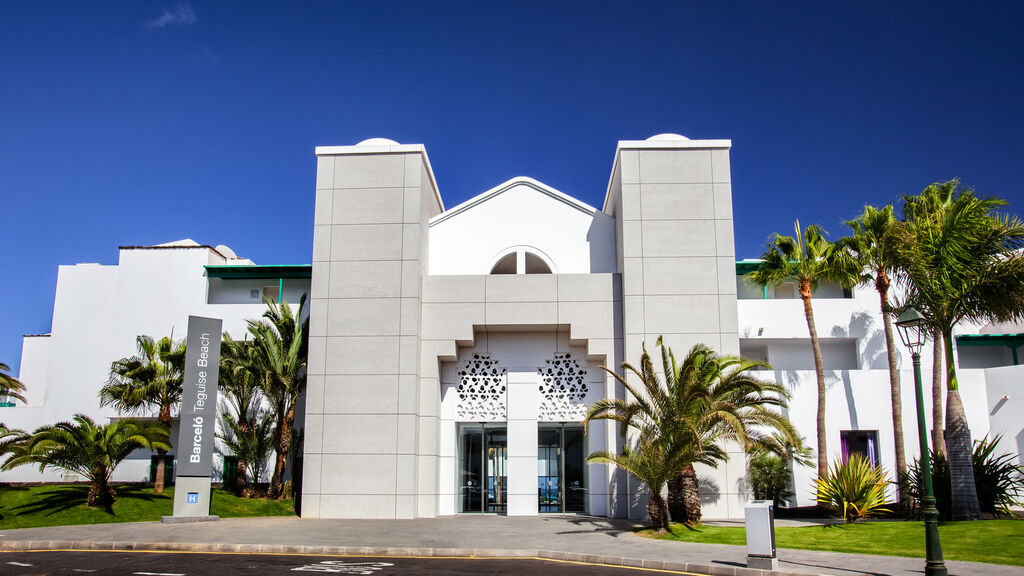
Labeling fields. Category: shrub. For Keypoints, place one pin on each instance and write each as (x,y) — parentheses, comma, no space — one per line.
(770,479)
(855,488)
(999,482)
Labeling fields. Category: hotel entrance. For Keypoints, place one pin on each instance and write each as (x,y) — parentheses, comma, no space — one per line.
(561,467)
(483,465)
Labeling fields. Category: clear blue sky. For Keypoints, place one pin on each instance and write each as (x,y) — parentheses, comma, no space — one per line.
(119,120)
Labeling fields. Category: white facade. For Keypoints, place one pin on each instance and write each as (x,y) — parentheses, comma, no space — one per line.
(453,352)
(98,312)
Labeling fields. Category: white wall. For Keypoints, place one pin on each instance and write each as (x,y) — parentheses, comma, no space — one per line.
(98,312)
(1005,396)
(468,238)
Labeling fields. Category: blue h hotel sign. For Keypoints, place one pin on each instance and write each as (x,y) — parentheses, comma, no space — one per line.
(198,423)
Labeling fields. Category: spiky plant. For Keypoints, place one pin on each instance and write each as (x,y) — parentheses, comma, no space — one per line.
(855,488)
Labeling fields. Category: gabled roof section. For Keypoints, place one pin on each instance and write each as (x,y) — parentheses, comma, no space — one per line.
(510,184)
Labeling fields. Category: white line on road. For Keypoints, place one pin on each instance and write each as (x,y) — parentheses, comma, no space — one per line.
(18,564)
(159,573)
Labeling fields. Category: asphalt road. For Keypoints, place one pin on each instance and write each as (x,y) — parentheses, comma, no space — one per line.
(111,563)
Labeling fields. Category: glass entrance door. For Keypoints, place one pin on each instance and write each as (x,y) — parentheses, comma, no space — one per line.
(561,485)
(483,464)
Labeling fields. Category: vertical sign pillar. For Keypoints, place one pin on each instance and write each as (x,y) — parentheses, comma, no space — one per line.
(198,422)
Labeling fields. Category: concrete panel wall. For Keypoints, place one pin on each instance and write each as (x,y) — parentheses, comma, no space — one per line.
(672,201)
(367,435)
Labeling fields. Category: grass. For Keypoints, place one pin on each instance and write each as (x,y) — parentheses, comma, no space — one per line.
(29,506)
(992,541)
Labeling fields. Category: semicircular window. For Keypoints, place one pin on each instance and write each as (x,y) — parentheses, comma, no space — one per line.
(534,265)
(521,262)
(507,264)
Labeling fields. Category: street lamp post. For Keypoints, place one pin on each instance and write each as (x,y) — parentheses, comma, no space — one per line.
(913,330)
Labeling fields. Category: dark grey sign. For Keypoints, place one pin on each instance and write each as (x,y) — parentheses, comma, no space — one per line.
(199,397)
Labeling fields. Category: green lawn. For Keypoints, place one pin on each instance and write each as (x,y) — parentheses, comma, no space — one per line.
(993,541)
(63,504)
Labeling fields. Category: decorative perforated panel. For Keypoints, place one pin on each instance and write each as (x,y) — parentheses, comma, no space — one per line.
(563,390)
(482,390)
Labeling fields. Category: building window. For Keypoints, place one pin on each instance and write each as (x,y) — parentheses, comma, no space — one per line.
(863,442)
(507,265)
(534,265)
(270,293)
(521,261)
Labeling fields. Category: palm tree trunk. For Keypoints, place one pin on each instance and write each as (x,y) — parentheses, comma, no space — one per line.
(691,496)
(241,485)
(161,469)
(958,437)
(161,461)
(819,372)
(882,284)
(658,511)
(282,441)
(938,437)
(100,494)
(684,498)
(676,502)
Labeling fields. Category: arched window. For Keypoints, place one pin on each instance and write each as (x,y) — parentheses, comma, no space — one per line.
(507,265)
(522,260)
(534,265)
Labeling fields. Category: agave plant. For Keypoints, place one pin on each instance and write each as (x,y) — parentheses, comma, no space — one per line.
(998,481)
(855,488)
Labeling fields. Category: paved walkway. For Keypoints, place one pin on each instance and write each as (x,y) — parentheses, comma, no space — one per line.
(563,537)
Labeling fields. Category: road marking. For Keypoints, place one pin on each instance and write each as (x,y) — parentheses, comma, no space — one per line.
(339,567)
(159,573)
(18,564)
(336,555)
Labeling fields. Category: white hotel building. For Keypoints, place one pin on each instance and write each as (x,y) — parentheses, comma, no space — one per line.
(453,353)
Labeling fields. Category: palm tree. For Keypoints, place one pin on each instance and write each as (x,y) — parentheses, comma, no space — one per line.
(281,343)
(251,444)
(11,439)
(807,259)
(706,401)
(649,461)
(86,448)
(152,379)
(932,201)
(873,243)
(239,379)
(963,263)
(9,385)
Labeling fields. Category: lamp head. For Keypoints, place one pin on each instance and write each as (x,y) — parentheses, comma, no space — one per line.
(913,329)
